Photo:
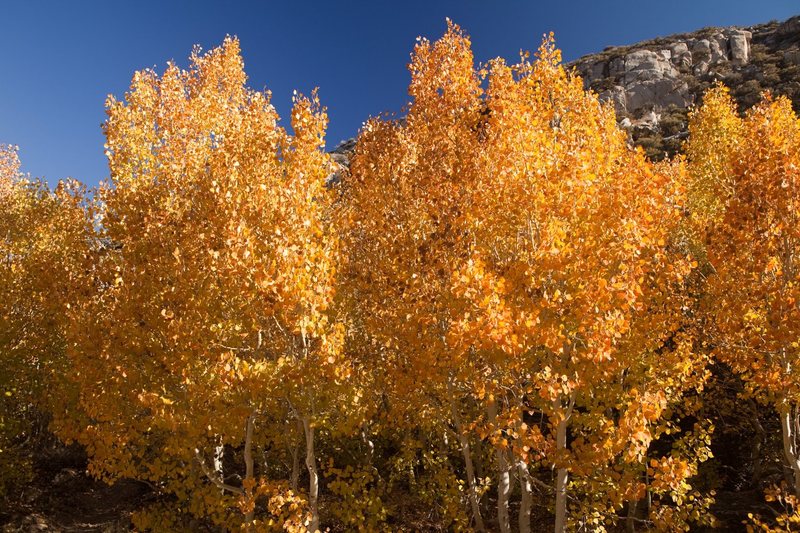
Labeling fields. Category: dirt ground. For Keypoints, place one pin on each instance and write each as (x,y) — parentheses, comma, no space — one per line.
(63,498)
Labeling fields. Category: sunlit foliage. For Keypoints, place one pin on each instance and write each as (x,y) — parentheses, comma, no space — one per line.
(512,259)
(500,309)
(209,334)
(44,238)
(753,238)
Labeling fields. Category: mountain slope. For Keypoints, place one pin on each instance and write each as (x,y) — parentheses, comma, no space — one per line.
(653,83)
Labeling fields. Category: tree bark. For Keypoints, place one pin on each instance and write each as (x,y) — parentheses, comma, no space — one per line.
(295,479)
(219,453)
(212,476)
(472,495)
(562,474)
(248,465)
(480,471)
(503,491)
(503,479)
(561,499)
(526,497)
(313,483)
(757,456)
(630,521)
(789,423)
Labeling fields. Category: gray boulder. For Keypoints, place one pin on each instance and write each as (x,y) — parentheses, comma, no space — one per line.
(739,45)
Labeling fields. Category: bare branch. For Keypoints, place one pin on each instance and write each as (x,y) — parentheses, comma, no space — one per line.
(215,479)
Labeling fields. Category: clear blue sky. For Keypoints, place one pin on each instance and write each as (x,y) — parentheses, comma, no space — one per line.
(59,60)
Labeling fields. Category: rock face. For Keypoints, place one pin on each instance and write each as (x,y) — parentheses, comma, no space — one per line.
(340,161)
(653,76)
(652,84)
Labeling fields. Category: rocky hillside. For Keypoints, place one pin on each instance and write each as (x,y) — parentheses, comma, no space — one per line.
(653,83)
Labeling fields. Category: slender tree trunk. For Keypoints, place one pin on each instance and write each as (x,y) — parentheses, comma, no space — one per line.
(313,483)
(219,454)
(472,495)
(295,479)
(757,456)
(561,500)
(503,479)
(503,490)
(366,440)
(789,429)
(480,471)
(630,521)
(562,475)
(526,497)
(248,466)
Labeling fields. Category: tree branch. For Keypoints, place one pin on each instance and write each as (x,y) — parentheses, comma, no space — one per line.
(216,480)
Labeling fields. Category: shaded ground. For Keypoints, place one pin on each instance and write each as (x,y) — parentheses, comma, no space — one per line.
(63,498)
(731,509)
(70,501)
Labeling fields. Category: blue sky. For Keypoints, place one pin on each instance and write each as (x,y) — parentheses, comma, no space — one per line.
(59,60)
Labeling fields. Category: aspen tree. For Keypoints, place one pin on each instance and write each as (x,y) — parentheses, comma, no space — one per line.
(44,239)
(211,329)
(511,254)
(752,237)
(572,298)
(405,200)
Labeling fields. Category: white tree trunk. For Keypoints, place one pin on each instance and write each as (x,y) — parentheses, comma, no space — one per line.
(313,483)
(789,432)
(562,475)
(463,440)
(526,497)
(561,500)
(503,480)
(472,489)
(503,491)
(248,465)
(295,479)
(219,452)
